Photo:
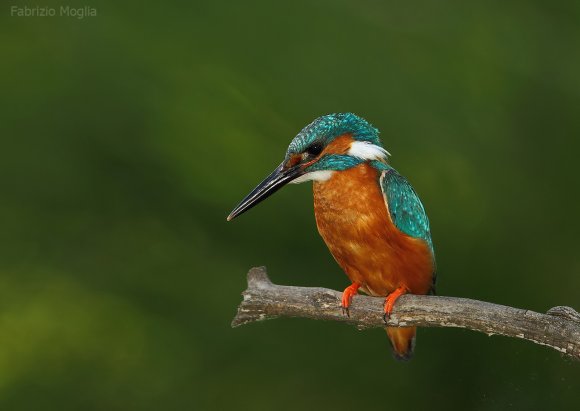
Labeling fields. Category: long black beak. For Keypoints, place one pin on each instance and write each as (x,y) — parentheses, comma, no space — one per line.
(275,181)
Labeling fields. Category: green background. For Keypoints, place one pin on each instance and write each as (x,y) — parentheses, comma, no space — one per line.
(127,138)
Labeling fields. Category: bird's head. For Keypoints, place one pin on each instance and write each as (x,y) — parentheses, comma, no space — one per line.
(329,144)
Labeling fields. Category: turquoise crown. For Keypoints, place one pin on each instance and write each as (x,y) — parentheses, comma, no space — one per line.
(326,128)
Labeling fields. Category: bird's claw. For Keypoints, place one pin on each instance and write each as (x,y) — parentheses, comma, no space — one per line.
(347,295)
(345,311)
(390,302)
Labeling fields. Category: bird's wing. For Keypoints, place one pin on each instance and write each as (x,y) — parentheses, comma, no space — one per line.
(404,206)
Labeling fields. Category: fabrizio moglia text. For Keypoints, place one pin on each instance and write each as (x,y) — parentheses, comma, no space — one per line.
(62,11)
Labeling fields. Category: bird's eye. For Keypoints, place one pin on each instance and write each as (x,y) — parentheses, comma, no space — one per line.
(314,149)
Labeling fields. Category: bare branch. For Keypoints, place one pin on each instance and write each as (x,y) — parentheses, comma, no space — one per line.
(559,328)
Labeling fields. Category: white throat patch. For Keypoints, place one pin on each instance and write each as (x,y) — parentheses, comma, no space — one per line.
(321,175)
(367,151)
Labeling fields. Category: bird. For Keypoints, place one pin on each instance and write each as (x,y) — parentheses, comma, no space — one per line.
(369,215)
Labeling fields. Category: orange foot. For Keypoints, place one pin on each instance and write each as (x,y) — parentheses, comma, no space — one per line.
(347,295)
(391,299)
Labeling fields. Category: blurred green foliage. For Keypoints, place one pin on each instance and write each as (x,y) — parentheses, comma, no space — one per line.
(128,137)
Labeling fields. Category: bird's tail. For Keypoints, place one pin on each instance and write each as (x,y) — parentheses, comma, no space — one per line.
(403,341)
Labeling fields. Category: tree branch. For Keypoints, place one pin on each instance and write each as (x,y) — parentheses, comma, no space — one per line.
(559,328)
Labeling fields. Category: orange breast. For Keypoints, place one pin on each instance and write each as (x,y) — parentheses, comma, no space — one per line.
(353,220)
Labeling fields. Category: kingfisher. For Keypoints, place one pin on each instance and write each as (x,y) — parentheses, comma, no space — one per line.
(368,214)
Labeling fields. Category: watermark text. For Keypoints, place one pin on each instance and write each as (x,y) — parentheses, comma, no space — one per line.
(62,11)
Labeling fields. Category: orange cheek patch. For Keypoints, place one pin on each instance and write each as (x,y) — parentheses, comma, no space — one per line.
(340,145)
(295,159)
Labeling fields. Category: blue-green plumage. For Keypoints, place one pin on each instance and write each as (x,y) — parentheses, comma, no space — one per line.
(405,207)
(335,162)
(326,128)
